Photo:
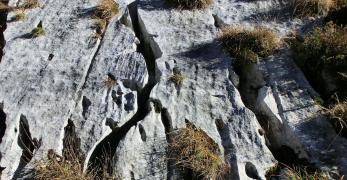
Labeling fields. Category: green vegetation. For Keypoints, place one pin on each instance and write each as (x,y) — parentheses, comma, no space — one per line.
(38,31)
(248,45)
(106,10)
(177,77)
(318,100)
(193,149)
(20,16)
(312,7)
(191,4)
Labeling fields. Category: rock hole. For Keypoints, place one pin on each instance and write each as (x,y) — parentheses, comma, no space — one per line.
(143,133)
(157,105)
(111,123)
(50,57)
(2,122)
(261,132)
(71,143)
(220,124)
(116,98)
(132,175)
(111,76)
(251,171)
(130,100)
(85,106)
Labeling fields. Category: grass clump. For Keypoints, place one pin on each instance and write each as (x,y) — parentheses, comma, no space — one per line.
(193,149)
(248,45)
(282,171)
(106,10)
(20,16)
(56,167)
(303,8)
(30,4)
(296,173)
(177,77)
(324,52)
(191,4)
(38,31)
(338,113)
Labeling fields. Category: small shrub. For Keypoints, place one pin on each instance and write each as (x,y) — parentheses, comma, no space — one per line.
(312,7)
(193,149)
(30,4)
(191,4)
(56,167)
(20,16)
(248,45)
(106,9)
(38,31)
(177,77)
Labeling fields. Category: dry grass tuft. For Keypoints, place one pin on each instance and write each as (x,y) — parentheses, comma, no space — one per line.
(177,78)
(106,9)
(302,173)
(338,112)
(100,25)
(282,171)
(248,45)
(193,149)
(303,8)
(20,16)
(110,81)
(191,4)
(325,46)
(30,4)
(56,167)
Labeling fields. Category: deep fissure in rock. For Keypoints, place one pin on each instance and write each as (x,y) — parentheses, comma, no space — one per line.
(26,143)
(249,93)
(2,123)
(110,143)
(3,26)
(167,122)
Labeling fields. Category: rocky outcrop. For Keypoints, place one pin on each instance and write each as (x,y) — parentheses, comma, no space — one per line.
(61,76)
(113,92)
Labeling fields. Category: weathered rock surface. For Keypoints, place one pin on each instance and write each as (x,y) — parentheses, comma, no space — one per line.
(117,88)
(47,80)
(287,100)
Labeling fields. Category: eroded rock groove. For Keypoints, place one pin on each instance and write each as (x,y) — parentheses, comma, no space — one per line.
(110,143)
